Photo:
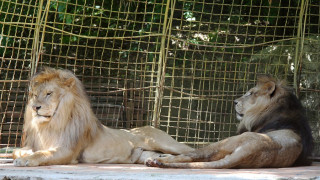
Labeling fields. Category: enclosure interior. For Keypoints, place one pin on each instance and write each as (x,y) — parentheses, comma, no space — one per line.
(174,64)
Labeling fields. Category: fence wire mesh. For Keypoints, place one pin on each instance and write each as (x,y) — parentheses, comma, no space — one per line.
(174,64)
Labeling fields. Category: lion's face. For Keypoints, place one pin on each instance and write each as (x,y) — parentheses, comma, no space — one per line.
(49,90)
(44,101)
(255,99)
(246,102)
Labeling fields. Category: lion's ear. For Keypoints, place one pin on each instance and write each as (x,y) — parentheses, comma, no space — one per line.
(269,87)
(70,82)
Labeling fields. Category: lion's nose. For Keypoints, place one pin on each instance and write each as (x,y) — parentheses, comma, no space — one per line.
(235,102)
(36,107)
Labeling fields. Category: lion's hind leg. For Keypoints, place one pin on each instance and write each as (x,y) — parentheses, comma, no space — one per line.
(157,140)
(211,152)
(249,150)
(182,161)
(136,154)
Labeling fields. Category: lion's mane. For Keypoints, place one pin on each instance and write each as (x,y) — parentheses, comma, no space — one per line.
(73,122)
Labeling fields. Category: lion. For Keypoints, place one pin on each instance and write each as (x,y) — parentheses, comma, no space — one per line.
(273,133)
(61,128)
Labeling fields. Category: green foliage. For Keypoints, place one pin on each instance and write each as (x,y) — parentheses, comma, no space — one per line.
(101,18)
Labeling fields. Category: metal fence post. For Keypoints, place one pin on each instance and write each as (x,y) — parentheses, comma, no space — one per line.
(299,43)
(166,32)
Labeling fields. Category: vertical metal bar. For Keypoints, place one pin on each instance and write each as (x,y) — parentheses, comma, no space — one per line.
(35,44)
(298,47)
(44,18)
(159,88)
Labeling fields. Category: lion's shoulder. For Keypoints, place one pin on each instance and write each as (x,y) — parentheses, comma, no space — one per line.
(289,114)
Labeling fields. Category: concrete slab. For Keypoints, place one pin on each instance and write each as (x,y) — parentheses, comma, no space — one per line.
(135,171)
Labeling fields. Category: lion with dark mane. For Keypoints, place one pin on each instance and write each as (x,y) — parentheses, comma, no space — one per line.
(61,128)
(273,132)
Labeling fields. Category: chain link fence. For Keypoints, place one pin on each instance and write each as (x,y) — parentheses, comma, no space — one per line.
(174,64)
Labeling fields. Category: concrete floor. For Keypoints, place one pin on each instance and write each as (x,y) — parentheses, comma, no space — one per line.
(135,171)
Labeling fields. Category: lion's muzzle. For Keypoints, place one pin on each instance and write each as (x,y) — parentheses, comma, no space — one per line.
(36,107)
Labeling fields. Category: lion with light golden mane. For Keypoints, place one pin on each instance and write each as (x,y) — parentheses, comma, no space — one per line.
(273,132)
(61,128)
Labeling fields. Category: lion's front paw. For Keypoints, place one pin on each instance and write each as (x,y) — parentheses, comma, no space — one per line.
(21,153)
(25,162)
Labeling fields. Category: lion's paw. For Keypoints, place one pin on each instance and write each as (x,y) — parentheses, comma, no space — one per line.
(153,163)
(21,153)
(25,162)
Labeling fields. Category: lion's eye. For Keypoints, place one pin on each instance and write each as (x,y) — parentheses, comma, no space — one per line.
(49,93)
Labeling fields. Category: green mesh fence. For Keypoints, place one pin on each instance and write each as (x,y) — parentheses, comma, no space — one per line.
(174,64)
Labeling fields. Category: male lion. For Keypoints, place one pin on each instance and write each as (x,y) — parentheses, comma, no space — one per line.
(274,132)
(61,128)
